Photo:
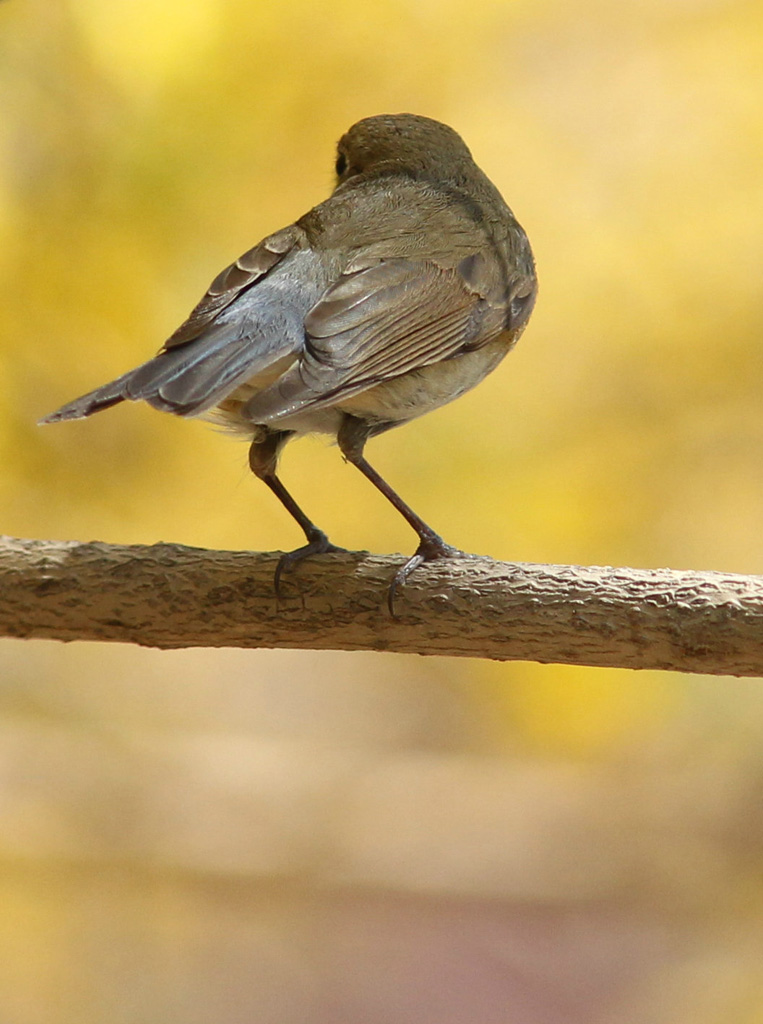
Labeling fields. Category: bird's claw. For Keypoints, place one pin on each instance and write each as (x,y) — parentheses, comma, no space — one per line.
(430,549)
(318,544)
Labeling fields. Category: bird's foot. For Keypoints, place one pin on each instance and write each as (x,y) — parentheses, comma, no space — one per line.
(431,548)
(317,544)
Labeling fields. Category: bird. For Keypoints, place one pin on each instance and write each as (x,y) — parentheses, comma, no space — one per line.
(396,295)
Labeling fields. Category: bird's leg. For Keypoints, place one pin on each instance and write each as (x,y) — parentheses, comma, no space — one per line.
(263,459)
(352,438)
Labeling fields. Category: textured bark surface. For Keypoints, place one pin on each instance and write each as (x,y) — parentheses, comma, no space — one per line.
(171,596)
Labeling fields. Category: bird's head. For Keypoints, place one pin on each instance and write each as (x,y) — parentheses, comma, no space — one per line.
(402,143)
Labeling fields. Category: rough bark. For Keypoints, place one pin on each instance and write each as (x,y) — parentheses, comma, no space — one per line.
(171,596)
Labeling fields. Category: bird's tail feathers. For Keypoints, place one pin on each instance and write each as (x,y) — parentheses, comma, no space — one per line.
(93,401)
(186,380)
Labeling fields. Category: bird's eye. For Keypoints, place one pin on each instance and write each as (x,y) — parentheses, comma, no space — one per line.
(341,165)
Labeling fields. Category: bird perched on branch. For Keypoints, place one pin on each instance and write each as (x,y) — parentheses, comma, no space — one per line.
(399,293)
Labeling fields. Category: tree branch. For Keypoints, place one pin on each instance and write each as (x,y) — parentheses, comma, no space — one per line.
(171,596)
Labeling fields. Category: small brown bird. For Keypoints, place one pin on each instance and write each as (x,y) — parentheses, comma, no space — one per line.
(397,294)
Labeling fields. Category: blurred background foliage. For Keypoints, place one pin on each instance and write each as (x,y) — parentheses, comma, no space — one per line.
(143,146)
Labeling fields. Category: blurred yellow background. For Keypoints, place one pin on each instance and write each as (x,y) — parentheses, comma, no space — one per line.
(297,837)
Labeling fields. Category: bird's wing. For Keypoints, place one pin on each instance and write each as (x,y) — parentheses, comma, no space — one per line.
(397,315)
(232,282)
(207,355)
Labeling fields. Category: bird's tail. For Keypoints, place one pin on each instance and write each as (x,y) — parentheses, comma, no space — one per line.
(93,401)
(185,380)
